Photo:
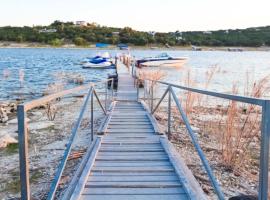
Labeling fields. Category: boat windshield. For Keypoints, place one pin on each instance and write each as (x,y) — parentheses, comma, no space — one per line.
(162,55)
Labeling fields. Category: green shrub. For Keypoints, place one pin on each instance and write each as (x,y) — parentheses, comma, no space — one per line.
(79,41)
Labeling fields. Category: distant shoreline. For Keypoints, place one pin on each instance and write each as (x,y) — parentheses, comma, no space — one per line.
(9,45)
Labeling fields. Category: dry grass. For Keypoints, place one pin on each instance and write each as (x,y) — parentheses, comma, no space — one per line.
(242,126)
(53,88)
(51,111)
(6,74)
(239,124)
(50,107)
(70,77)
(151,74)
(191,99)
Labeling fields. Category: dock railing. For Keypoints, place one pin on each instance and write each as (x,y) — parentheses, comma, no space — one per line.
(88,91)
(150,98)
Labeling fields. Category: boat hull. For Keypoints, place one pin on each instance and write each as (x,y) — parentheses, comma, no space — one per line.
(98,66)
(164,63)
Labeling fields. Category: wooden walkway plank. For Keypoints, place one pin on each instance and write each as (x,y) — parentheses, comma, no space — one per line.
(134,196)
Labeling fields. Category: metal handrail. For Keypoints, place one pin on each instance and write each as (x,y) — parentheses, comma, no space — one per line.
(23,133)
(69,145)
(265,128)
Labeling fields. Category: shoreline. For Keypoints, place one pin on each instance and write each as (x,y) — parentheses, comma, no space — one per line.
(14,45)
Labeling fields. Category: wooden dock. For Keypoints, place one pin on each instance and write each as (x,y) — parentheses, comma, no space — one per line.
(132,161)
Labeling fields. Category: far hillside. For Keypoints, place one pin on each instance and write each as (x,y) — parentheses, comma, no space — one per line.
(83,34)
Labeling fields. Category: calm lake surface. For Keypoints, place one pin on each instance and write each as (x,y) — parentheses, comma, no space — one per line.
(41,66)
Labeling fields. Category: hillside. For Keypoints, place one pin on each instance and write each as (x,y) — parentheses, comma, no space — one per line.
(59,33)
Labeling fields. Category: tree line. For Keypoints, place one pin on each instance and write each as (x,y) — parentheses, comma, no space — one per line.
(59,33)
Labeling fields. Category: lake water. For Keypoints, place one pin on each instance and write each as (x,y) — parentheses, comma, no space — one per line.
(41,66)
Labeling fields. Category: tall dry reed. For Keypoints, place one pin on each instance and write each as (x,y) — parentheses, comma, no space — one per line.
(242,125)
(50,107)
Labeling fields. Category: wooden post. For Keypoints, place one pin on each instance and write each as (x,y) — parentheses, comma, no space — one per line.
(23,153)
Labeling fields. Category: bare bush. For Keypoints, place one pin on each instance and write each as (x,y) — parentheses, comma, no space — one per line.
(155,75)
(191,99)
(70,77)
(51,111)
(50,107)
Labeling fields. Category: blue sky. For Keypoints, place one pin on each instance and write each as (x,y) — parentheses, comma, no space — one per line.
(147,15)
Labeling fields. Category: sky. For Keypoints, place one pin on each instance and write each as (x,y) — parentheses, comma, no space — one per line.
(144,15)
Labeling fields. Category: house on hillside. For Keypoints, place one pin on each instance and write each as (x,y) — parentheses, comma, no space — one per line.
(81,23)
(47,30)
(195,48)
(115,33)
(207,32)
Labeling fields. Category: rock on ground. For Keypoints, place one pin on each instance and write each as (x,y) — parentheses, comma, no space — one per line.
(3,115)
(40,125)
(6,140)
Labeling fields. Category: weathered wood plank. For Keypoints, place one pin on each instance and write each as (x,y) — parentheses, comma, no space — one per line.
(130,143)
(120,178)
(134,196)
(123,120)
(134,191)
(136,127)
(131,123)
(133,173)
(133,184)
(130,117)
(130,164)
(130,131)
(127,149)
(134,169)
(127,158)
(132,154)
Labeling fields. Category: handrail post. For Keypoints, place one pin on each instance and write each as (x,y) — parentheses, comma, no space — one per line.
(92,116)
(112,82)
(152,96)
(264,151)
(169,114)
(144,88)
(138,90)
(106,95)
(23,153)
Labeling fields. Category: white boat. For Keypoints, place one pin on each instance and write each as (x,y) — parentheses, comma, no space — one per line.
(162,60)
(97,65)
(103,61)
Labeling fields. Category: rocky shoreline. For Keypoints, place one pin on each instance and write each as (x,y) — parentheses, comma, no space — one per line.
(47,142)
(7,111)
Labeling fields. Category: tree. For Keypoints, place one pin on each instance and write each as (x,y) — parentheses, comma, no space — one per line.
(81,36)
(79,41)
(56,42)
(20,38)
